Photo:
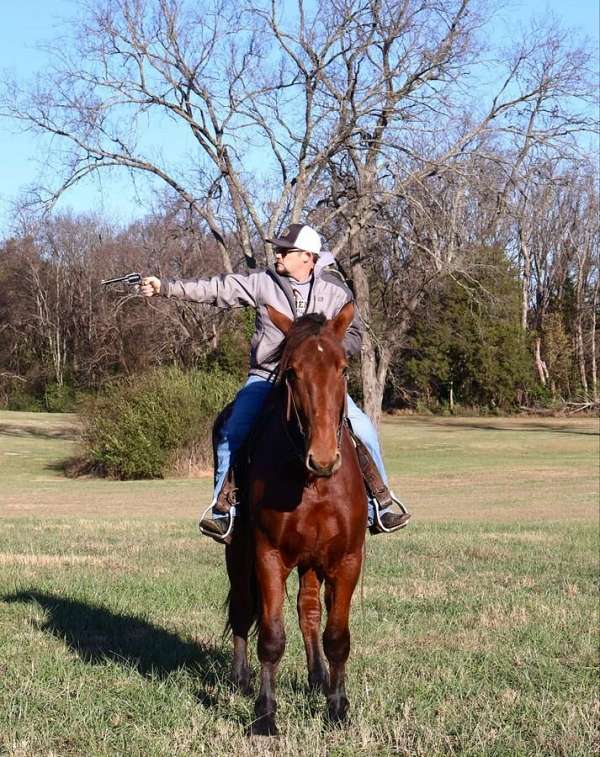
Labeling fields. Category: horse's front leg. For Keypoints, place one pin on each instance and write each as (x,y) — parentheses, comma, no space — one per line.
(271,575)
(309,615)
(339,588)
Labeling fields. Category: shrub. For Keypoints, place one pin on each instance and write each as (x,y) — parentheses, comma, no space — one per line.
(59,398)
(139,427)
(19,398)
(233,351)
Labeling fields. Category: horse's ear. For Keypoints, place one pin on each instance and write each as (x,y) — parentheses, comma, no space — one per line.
(342,320)
(282,322)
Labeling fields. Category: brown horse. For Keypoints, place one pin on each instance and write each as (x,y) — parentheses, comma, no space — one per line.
(306,508)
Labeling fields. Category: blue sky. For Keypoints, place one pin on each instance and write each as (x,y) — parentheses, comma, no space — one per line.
(26,24)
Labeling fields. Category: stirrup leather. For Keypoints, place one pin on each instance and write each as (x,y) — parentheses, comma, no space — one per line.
(228,497)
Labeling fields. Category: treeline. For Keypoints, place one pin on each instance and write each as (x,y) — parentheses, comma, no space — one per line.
(63,335)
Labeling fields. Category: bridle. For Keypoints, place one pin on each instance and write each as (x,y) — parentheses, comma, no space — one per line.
(291,404)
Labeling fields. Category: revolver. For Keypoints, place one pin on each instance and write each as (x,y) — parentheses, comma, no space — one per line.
(131,278)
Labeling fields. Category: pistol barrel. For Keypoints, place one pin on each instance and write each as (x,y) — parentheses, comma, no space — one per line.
(130,278)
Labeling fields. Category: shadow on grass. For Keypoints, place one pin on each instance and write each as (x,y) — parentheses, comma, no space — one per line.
(97,634)
(549,428)
(77,466)
(71,433)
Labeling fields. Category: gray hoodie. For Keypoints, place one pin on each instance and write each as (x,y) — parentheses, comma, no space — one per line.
(328,294)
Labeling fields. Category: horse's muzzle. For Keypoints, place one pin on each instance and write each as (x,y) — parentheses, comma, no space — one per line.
(324,471)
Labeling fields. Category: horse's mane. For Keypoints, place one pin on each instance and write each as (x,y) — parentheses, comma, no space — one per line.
(308,325)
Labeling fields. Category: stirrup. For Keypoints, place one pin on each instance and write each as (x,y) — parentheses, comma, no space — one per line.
(401,506)
(213,534)
(403,509)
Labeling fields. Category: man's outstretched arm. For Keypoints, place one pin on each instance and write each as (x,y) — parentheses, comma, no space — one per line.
(226,291)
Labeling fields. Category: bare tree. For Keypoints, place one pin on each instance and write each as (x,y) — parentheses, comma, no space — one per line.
(59,327)
(582,212)
(557,230)
(409,123)
(135,59)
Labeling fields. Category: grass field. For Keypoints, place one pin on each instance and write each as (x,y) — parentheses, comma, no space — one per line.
(477,634)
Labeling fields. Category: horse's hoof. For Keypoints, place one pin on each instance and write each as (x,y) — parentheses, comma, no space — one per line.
(240,680)
(264,726)
(337,710)
(318,682)
(242,684)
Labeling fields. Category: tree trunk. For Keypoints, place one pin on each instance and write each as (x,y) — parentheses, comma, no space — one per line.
(539,363)
(581,355)
(593,346)
(374,366)
(526,274)
(579,297)
(375,360)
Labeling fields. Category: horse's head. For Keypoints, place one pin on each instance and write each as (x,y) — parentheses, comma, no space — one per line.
(313,367)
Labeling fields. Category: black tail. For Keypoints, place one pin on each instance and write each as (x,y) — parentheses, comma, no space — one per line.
(243,600)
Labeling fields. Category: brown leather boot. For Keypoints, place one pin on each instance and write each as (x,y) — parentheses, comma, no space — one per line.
(380,493)
(220,529)
(389,521)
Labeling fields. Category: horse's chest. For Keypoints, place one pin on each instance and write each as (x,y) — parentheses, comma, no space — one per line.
(310,533)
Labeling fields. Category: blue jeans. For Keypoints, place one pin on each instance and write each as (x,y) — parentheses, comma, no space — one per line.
(247,407)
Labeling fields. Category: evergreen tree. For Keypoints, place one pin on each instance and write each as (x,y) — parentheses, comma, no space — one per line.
(467,338)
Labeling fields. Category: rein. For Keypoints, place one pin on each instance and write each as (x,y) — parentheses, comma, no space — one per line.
(291,403)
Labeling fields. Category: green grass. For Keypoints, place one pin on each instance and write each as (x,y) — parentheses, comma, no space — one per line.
(477,635)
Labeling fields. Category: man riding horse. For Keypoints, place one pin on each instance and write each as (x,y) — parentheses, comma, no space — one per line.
(299,284)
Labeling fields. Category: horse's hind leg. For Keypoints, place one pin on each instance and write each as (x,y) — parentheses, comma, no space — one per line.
(309,615)
(242,606)
(336,637)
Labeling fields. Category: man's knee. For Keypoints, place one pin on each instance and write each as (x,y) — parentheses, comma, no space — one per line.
(247,406)
(363,428)
(234,434)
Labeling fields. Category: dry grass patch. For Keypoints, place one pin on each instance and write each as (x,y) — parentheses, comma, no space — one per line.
(413,589)
(497,617)
(466,640)
(42,560)
(525,537)
(464,469)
